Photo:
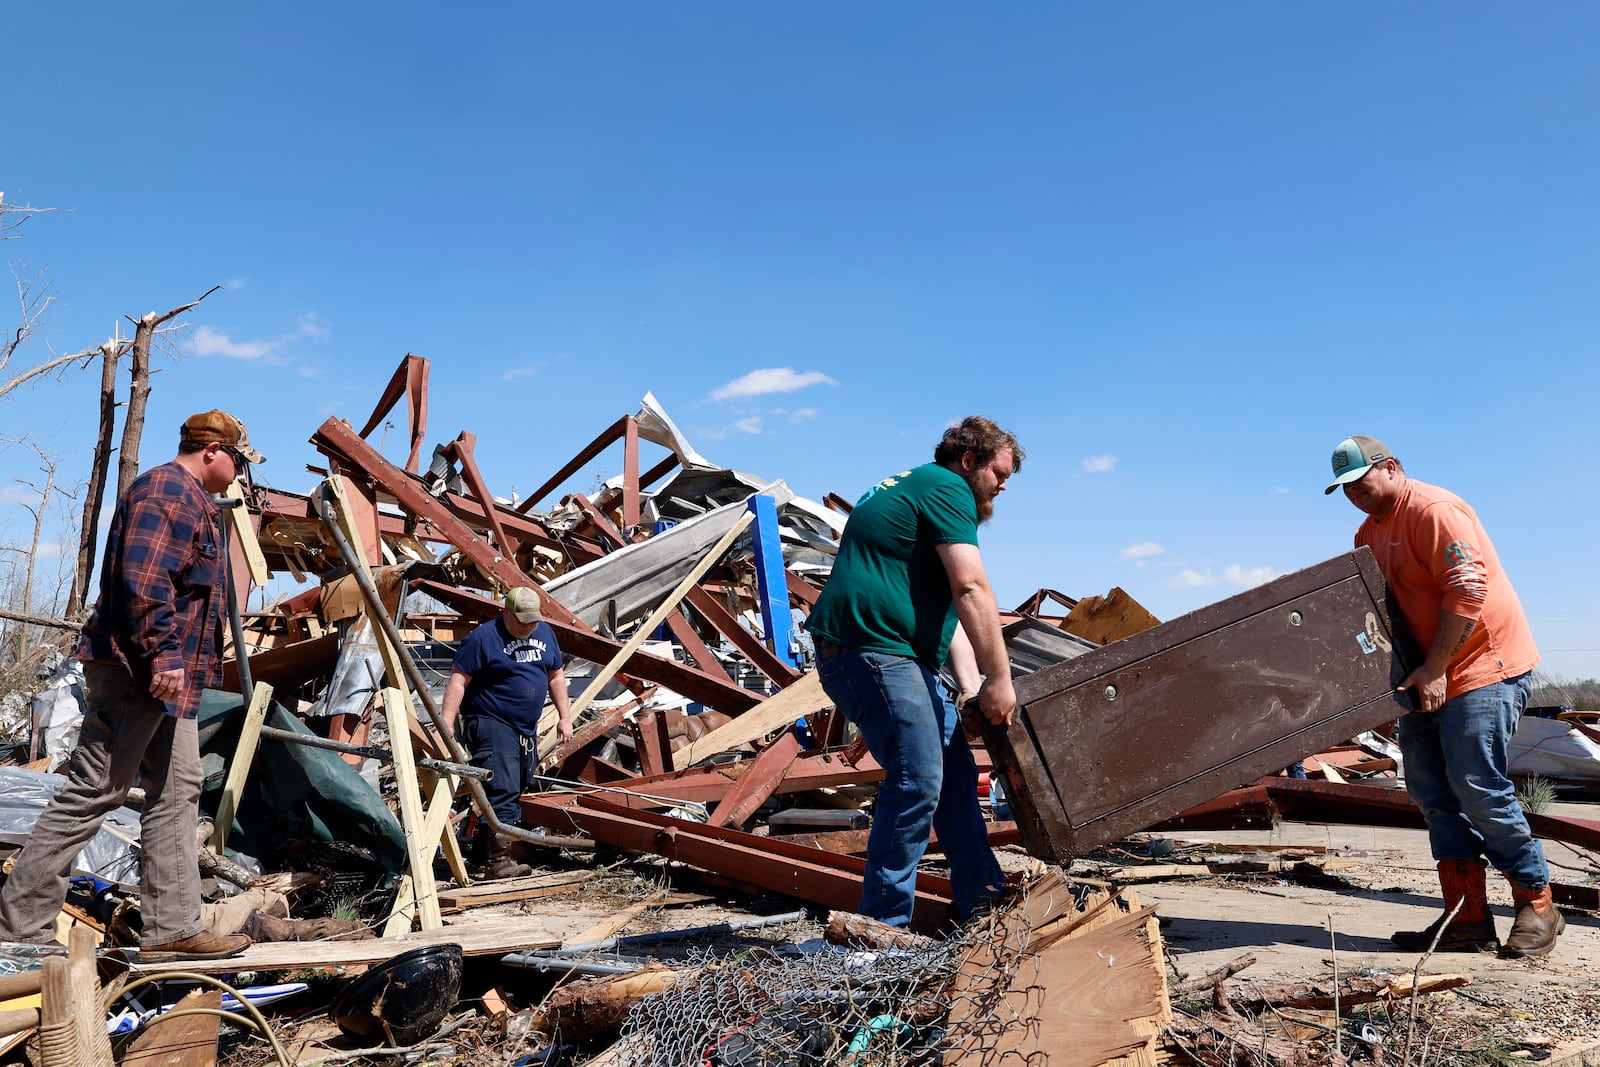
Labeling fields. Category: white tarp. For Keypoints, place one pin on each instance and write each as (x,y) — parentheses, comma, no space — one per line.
(113,852)
(1552,748)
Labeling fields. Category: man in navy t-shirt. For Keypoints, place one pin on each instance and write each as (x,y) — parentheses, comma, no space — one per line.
(499,680)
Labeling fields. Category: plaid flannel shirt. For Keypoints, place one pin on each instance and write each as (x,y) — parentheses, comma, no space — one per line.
(162,598)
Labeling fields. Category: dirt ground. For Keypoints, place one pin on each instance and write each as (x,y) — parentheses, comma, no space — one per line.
(1549,1008)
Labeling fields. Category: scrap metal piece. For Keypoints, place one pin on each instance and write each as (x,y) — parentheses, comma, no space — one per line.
(1136,731)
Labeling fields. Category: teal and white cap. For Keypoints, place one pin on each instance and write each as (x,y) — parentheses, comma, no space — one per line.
(1353,457)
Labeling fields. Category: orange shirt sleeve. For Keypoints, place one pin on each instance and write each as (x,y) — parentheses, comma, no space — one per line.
(1446,539)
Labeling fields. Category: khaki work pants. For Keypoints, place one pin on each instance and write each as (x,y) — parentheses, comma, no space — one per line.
(126,734)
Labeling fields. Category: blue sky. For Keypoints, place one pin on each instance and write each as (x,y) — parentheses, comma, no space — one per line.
(1181,249)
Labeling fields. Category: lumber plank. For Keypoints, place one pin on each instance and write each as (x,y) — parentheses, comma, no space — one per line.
(419,891)
(244,755)
(481,936)
(613,924)
(508,889)
(645,629)
(186,1041)
(244,535)
(419,847)
(781,709)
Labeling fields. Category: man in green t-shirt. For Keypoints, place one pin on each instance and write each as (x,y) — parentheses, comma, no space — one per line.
(908,570)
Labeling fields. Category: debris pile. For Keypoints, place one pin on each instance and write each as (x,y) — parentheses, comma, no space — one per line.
(703,743)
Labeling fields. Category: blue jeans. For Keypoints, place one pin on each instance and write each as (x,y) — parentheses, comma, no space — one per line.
(930,781)
(496,745)
(1456,771)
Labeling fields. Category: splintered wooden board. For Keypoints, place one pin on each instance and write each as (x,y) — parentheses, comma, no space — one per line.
(491,935)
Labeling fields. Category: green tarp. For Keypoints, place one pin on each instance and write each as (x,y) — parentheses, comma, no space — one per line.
(294,793)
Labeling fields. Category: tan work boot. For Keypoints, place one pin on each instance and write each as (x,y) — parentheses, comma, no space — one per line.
(202,946)
(1472,930)
(1537,925)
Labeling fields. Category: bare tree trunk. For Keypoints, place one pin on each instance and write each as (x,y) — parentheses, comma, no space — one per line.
(49,470)
(138,398)
(94,496)
(139,390)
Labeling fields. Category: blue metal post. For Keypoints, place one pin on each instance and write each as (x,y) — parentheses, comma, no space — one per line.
(771,579)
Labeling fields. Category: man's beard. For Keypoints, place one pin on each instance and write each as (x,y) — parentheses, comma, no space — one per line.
(985,507)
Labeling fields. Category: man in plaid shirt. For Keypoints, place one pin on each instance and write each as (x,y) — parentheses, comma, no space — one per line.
(153,643)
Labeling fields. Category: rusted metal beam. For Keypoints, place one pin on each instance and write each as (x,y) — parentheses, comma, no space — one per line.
(586,734)
(608,437)
(709,785)
(651,743)
(630,473)
(1035,603)
(603,526)
(1309,800)
(809,874)
(461,450)
(649,477)
(723,621)
(803,590)
(758,783)
(335,437)
(683,630)
(1249,808)
(411,381)
(576,639)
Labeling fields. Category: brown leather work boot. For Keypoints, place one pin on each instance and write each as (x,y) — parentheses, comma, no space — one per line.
(202,946)
(1537,925)
(499,863)
(1472,930)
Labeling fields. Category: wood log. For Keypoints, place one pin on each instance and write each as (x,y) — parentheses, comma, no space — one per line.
(1359,989)
(1207,982)
(17,1020)
(595,1008)
(25,984)
(58,1039)
(858,931)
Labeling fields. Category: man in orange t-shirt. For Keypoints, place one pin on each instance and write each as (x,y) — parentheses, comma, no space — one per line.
(1470,691)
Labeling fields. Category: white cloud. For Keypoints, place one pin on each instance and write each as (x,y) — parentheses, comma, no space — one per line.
(1141,550)
(1281,489)
(17,494)
(770,380)
(802,415)
(208,342)
(1248,577)
(1187,579)
(1099,464)
(750,424)
(518,372)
